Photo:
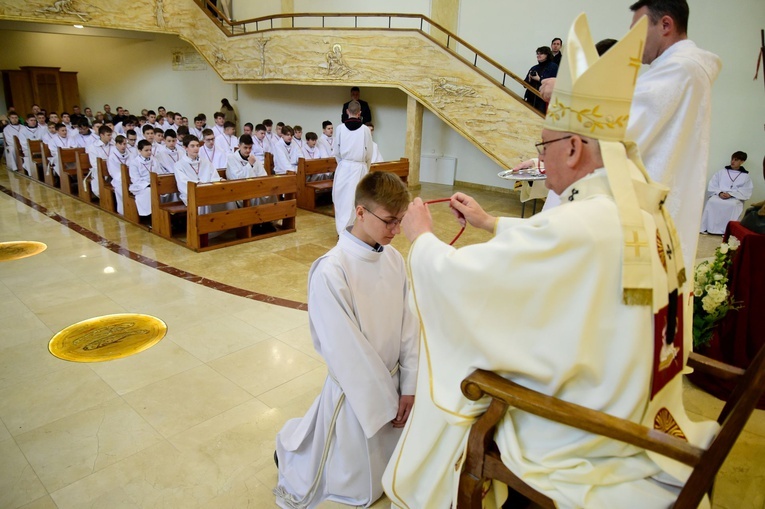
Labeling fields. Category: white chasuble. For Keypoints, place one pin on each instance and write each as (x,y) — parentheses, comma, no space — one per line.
(362,326)
(540,304)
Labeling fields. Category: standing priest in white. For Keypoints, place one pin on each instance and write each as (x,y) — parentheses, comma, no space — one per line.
(362,325)
(572,302)
(728,189)
(353,151)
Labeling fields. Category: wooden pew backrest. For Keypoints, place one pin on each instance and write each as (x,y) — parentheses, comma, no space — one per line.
(400,168)
(307,190)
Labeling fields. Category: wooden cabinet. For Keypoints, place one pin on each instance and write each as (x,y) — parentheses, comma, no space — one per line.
(48,87)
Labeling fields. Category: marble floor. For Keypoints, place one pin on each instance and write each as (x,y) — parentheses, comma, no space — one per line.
(190,422)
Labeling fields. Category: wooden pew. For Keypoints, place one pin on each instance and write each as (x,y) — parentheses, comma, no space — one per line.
(19,155)
(82,165)
(129,207)
(67,158)
(307,190)
(268,163)
(48,174)
(400,168)
(107,200)
(162,213)
(242,219)
(36,152)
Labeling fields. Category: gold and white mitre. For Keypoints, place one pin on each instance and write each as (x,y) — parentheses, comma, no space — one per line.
(592,98)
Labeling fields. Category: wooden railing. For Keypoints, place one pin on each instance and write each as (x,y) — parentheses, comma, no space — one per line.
(461,49)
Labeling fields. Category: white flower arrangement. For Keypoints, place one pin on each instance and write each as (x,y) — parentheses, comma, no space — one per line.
(711,298)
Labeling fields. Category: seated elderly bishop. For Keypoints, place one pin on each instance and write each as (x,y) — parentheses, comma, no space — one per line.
(587,302)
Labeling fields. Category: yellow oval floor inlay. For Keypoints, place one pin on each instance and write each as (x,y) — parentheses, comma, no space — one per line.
(107,337)
(20,249)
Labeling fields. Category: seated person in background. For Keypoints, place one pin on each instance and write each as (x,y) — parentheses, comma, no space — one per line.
(67,121)
(151,118)
(260,143)
(55,142)
(148,134)
(326,140)
(193,168)
(30,132)
(286,153)
(297,137)
(132,139)
(210,152)
(270,136)
(140,178)
(83,137)
(99,150)
(728,189)
(183,131)
(49,132)
(139,127)
(117,157)
(196,129)
(159,139)
(11,132)
(218,128)
(544,69)
(42,124)
(89,115)
(362,325)
(310,149)
(227,142)
(248,128)
(168,154)
(376,155)
(242,163)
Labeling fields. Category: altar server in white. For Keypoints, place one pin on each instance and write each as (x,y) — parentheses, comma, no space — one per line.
(140,177)
(10,133)
(55,142)
(242,163)
(352,148)
(117,157)
(671,113)
(728,189)
(326,140)
(30,132)
(377,157)
(363,327)
(99,150)
(210,151)
(193,168)
(567,303)
(168,154)
(286,152)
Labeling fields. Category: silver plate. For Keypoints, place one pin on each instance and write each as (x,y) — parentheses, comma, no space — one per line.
(529,174)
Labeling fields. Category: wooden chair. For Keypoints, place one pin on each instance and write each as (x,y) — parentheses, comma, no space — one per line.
(163,212)
(67,158)
(82,166)
(400,168)
(307,190)
(36,153)
(483,460)
(129,208)
(107,199)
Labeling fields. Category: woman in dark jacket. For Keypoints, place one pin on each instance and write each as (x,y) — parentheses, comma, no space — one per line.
(544,69)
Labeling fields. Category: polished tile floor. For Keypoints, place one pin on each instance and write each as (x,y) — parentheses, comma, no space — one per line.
(190,422)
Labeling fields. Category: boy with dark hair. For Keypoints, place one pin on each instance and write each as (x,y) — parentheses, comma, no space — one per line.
(271,138)
(168,154)
(227,142)
(286,153)
(220,122)
(361,324)
(310,150)
(210,152)
(193,168)
(140,177)
(100,149)
(326,140)
(260,143)
(29,132)
(10,132)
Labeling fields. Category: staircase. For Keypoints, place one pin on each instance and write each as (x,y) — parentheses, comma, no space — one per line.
(460,85)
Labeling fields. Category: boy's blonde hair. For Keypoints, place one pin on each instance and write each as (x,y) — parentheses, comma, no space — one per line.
(383,189)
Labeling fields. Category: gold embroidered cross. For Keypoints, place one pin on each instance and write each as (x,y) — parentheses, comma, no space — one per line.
(636,62)
(636,243)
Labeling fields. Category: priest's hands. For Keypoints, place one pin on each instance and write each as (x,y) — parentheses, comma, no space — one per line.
(546,88)
(417,220)
(467,209)
(405,404)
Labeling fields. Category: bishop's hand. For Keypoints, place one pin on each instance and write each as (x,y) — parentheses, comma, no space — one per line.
(417,220)
(467,209)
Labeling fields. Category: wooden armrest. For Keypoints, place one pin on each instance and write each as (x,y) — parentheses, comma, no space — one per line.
(714,368)
(486,383)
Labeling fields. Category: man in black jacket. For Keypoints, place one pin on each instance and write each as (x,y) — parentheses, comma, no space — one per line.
(366,114)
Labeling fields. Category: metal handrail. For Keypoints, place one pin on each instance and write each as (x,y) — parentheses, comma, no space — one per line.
(234,28)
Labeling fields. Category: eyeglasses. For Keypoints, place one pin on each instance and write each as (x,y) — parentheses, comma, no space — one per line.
(541,145)
(389,224)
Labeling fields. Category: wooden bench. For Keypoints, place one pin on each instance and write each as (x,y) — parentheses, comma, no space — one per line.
(307,190)
(162,213)
(36,153)
(400,168)
(67,158)
(129,208)
(82,165)
(107,199)
(48,174)
(268,163)
(19,154)
(241,219)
